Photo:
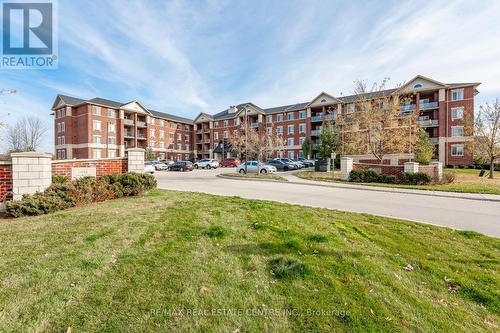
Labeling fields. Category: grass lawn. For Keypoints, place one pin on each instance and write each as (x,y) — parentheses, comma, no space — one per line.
(272,176)
(176,261)
(466,181)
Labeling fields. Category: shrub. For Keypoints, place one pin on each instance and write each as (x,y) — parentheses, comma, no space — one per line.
(63,194)
(448,178)
(417,178)
(370,176)
(387,179)
(59,180)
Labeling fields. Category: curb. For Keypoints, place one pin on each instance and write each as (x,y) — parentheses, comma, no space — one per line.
(254,179)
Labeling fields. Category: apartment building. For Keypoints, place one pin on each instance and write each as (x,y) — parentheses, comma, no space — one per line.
(100,128)
(443,110)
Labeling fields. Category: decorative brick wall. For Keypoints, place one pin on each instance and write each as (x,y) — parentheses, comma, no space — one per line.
(395,170)
(5,182)
(104,166)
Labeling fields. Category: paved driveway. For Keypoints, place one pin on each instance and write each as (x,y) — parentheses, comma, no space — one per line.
(480,216)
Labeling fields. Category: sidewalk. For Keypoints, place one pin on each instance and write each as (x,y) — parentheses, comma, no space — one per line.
(292,179)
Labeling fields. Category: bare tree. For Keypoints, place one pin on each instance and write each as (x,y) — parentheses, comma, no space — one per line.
(25,135)
(259,146)
(487,133)
(377,125)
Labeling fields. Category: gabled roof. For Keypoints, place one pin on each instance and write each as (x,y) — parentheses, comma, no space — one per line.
(370,95)
(171,117)
(105,102)
(323,94)
(66,100)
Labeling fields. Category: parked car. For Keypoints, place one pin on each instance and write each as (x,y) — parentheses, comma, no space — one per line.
(159,165)
(254,167)
(229,162)
(308,163)
(181,166)
(282,166)
(287,160)
(149,168)
(206,163)
(167,162)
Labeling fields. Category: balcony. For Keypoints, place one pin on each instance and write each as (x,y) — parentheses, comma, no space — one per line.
(141,124)
(316,132)
(428,122)
(317,118)
(206,130)
(428,105)
(128,135)
(435,140)
(408,107)
(206,140)
(128,122)
(331,116)
(254,125)
(198,131)
(141,136)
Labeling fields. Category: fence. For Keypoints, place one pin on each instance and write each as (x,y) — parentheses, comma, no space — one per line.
(31,172)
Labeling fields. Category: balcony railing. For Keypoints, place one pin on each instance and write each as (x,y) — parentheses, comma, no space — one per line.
(316,132)
(408,107)
(141,136)
(331,116)
(428,105)
(141,124)
(317,118)
(198,132)
(128,122)
(428,122)
(435,140)
(254,125)
(129,135)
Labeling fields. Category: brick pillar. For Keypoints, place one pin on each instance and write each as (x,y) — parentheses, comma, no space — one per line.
(31,173)
(345,168)
(438,171)
(411,167)
(135,158)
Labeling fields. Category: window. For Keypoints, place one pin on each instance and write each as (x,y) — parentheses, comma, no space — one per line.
(186,138)
(216,135)
(418,85)
(179,136)
(269,119)
(96,110)
(302,128)
(111,140)
(61,140)
(291,142)
(291,155)
(301,141)
(61,127)
(269,130)
(216,124)
(290,116)
(111,127)
(179,147)
(96,153)
(96,125)
(96,139)
(350,108)
(162,134)
(162,145)
(457,131)
(225,135)
(171,136)
(301,154)
(226,122)
(290,129)
(457,94)
(162,122)
(171,124)
(279,117)
(186,127)
(152,144)
(457,113)
(302,115)
(111,113)
(457,150)
(151,132)
(323,101)
(61,154)
(111,153)
(279,129)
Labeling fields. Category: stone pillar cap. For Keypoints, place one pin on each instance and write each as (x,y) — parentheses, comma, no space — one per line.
(31,154)
(136,149)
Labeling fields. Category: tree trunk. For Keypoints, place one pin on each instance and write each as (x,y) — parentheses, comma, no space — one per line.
(492,167)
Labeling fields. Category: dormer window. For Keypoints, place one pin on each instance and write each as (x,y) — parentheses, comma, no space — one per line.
(418,85)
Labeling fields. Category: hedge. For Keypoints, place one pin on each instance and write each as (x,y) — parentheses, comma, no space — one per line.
(370,176)
(63,194)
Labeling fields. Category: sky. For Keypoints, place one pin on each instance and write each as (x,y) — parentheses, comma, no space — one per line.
(186,57)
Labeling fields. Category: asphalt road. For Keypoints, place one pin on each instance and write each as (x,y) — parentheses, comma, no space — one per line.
(465,214)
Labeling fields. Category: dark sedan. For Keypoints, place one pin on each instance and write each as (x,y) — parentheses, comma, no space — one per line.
(282,166)
(181,166)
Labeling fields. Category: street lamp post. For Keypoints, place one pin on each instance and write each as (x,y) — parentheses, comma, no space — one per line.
(246,141)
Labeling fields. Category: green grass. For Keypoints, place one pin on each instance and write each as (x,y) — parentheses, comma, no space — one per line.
(466,181)
(271,176)
(187,262)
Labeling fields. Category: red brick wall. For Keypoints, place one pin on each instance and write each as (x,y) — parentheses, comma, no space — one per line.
(428,170)
(383,169)
(103,166)
(5,182)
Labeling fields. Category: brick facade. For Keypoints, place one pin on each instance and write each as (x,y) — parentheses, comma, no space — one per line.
(5,181)
(395,170)
(103,166)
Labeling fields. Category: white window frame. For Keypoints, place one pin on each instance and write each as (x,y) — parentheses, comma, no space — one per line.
(269,119)
(461,146)
(453,110)
(162,144)
(269,130)
(216,135)
(279,117)
(302,140)
(162,122)
(291,154)
(461,91)
(96,125)
(292,127)
(225,134)
(111,140)
(454,128)
(290,116)
(111,113)
(162,134)
(96,110)
(302,114)
(226,122)
(290,140)
(152,132)
(96,153)
(279,130)
(302,128)
(111,153)
(96,139)
(350,108)
(111,127)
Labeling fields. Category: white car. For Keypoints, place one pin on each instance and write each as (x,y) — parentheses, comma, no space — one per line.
(254,167)
(206,163)
(149,168)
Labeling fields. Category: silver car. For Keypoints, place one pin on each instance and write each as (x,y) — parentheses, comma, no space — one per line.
(206,163)
(254,167)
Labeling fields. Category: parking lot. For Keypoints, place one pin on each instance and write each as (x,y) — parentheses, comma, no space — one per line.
(480,216)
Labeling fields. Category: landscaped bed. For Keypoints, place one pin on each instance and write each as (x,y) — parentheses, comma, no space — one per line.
(466,181)
(176,261)
(265,176)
